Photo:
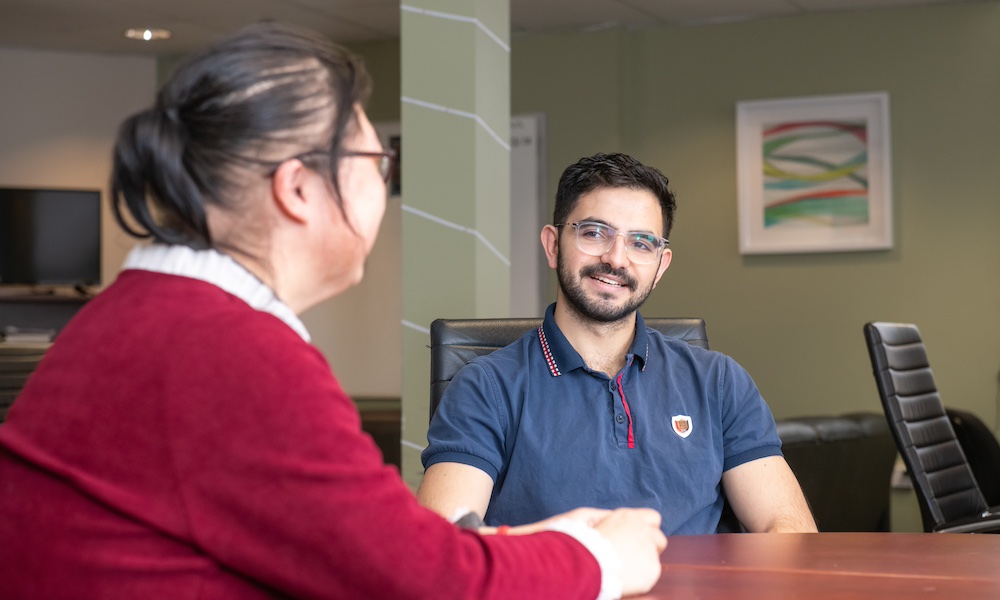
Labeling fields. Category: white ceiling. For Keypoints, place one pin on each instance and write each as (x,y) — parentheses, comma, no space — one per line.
(97,25)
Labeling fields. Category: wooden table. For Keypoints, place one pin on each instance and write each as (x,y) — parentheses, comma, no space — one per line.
(826,566)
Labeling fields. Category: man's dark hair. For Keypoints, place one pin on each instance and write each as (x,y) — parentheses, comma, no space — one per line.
(231,114)
(612,171)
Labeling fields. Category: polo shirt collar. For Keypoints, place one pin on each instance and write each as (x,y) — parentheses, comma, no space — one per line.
(218,269)
(562,357)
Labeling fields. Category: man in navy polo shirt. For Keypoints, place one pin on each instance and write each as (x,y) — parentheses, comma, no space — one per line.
(595,409)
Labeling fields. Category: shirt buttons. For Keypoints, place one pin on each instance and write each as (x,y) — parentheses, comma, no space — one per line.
(620,418)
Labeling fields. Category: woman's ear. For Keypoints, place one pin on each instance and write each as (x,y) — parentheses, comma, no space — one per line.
(289,189)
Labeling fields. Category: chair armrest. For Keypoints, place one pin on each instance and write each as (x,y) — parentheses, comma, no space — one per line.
(988,522)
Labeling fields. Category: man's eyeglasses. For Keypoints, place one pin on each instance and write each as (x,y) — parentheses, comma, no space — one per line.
(596,239)
(386,160)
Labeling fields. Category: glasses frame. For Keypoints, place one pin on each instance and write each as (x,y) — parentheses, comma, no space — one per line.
(611,244)
(386,163)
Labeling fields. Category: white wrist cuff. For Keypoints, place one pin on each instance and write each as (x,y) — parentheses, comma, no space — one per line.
(592,540)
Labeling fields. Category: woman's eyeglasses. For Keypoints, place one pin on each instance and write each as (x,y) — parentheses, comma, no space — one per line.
(386,160)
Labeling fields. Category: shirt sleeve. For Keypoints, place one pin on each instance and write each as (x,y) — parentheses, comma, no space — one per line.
(749,431)
(470,426)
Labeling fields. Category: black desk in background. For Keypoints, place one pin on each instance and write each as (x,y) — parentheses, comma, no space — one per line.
(39,311)
(17,362)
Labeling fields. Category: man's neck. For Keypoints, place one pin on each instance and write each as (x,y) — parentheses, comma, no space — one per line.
(602,346)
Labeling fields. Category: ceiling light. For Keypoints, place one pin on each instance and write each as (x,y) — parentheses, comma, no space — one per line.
(147,34)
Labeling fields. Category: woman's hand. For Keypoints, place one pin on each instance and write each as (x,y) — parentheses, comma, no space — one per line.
(635,535)
(589,516)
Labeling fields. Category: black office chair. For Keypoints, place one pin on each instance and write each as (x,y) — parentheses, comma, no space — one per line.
(949,496)
(454,342)
(17,363)
(844,466)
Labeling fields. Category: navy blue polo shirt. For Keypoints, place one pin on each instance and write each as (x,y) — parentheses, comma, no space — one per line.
(555,435)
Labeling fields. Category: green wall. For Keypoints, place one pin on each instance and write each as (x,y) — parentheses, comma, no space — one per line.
(794,321)
(382,61)
(668,96)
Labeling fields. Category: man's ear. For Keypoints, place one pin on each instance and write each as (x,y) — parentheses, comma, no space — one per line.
(288,187)
(550,243)
(664,263)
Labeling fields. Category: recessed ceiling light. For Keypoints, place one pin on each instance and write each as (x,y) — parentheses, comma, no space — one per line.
(147,34)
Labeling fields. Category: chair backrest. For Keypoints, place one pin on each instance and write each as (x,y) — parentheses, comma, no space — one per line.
(454,342)
(945,487)
(17,362)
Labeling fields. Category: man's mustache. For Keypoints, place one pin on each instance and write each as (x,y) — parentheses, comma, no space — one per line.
(605,269)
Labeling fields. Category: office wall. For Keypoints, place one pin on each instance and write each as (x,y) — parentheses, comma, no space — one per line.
(794,321)
(59,115)
(668,96)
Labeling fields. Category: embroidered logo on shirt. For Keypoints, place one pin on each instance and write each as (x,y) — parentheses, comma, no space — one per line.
(681,425)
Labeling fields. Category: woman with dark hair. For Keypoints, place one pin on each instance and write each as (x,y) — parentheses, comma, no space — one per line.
(182,438)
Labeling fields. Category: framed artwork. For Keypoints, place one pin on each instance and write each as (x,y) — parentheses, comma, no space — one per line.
(814,174)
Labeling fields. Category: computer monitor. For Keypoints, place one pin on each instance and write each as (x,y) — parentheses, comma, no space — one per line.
(50,237)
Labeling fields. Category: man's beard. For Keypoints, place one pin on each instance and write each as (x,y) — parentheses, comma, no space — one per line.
(595,310)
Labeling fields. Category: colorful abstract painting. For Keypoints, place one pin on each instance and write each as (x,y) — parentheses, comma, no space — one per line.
(814,174)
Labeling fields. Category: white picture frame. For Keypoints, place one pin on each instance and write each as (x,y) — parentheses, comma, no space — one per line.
(814,174)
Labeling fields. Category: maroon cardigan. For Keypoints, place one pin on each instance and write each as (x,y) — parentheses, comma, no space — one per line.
(175,443)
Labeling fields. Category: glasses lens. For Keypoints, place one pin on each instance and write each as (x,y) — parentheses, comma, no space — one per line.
(594,234)
(388,165)
(383,167)
(642,247)
(594,238)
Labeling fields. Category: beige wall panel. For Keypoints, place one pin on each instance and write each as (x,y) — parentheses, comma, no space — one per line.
(440,164)
(456,120)
(438,271)
(441,72)
(416,402)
